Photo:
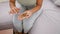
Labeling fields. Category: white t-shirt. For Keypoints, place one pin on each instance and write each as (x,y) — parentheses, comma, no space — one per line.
(27,2)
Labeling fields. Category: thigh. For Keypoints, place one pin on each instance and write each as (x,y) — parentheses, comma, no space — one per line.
(17,23)
(28,23)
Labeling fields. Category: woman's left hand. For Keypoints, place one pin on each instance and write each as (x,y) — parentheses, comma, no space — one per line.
(26,14)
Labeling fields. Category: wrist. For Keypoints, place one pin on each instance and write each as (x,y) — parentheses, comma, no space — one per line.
(32,11)
(35,9)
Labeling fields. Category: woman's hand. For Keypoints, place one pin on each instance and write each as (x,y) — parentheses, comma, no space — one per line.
(14,10)
(26,14)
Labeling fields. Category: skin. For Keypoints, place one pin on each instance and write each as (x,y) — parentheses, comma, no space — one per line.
(27,13)
(30,12)
(15,10)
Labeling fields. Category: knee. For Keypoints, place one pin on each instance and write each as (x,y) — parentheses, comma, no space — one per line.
(27,29)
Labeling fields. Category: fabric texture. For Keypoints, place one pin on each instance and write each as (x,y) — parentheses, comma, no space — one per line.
(56,2)
(27,23)
(27,2)
(49,21)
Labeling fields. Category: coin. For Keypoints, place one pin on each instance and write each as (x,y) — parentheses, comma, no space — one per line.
(23,15)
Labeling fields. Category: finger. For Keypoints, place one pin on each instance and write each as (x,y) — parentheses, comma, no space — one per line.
(11,12)
(14,10)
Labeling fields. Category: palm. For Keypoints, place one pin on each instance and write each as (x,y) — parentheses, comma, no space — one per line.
(26,14)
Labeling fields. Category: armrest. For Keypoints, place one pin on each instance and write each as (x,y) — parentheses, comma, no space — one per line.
(5,18)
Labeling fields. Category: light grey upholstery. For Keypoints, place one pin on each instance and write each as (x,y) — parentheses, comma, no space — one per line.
(5,18)
(49,21)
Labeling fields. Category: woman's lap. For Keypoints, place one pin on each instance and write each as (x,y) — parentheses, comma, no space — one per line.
(27,23)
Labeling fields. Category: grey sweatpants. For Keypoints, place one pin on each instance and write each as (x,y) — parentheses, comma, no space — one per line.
(26,24)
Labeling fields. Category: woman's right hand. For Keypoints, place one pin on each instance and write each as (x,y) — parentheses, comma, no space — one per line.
(14,10)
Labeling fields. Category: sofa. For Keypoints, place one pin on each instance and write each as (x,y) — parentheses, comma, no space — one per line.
(6,19)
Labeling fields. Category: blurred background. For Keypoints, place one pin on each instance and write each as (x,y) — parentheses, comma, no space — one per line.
(6,24)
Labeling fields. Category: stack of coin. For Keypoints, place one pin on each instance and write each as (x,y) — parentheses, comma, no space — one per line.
(23,15)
